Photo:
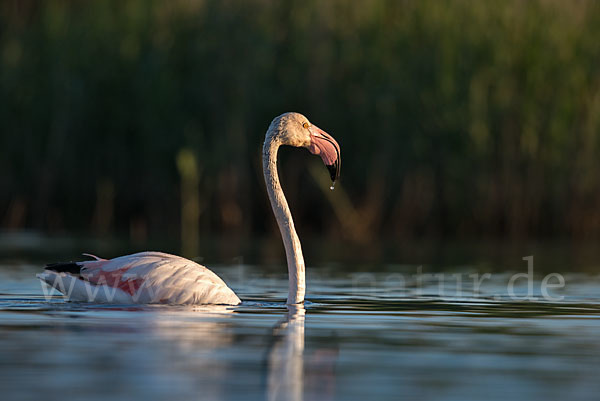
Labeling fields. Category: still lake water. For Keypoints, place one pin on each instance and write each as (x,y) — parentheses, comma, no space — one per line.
(390,334)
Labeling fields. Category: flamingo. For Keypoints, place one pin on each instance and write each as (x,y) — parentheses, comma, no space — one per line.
(157,277)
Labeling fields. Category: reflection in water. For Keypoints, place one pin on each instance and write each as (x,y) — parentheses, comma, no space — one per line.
(291,370)
(191,341)
(390,345)
(193,328)
(285,358)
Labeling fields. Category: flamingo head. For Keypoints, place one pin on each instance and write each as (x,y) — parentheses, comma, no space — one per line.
(294,129)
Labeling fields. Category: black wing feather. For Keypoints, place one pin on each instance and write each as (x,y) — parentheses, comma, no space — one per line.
(64,267)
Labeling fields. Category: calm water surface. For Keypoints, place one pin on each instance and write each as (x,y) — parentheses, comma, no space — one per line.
(360,336)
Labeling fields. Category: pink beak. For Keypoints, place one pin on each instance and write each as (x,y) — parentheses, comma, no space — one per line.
(323,144)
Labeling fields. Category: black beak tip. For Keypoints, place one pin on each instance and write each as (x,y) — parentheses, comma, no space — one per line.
(334,171)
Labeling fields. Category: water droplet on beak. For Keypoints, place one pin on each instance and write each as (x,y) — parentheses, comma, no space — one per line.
(332,187)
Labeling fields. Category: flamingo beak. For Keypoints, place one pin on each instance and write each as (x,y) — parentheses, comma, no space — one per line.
(323,144)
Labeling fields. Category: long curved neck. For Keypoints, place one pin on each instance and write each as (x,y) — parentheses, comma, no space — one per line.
(293,250)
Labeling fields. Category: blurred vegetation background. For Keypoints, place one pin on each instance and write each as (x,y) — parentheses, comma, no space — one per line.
(456,119)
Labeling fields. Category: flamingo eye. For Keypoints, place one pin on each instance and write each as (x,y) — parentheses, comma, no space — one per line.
(305,125)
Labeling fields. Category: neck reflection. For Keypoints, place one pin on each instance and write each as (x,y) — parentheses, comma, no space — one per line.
(285,359)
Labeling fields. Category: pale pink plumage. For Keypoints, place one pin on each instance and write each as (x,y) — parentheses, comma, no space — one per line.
(146,277)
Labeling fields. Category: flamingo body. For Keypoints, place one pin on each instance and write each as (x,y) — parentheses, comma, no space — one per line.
(145,277)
